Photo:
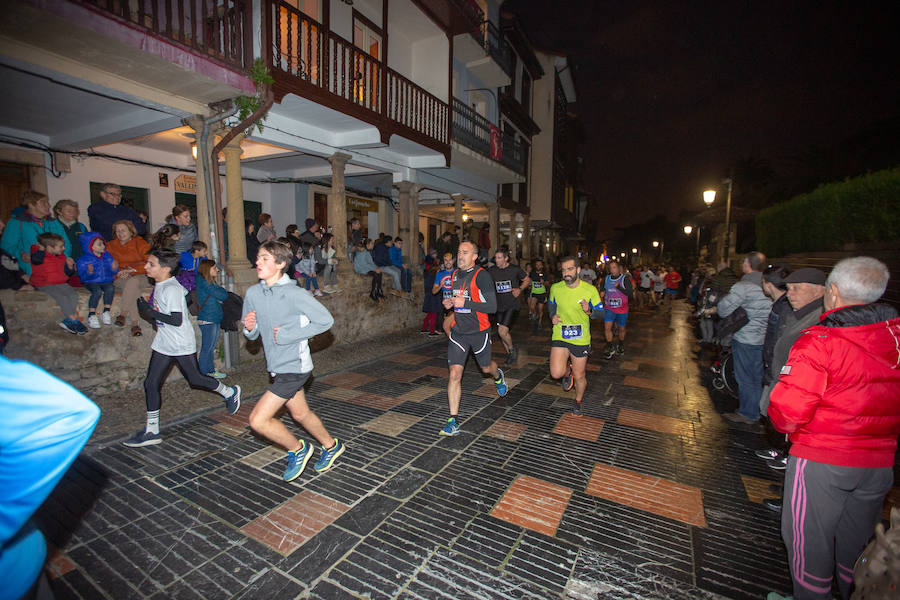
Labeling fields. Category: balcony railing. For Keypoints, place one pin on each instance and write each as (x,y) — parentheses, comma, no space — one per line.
(474,131)
(497,47)
(220,29)
(309,60)
(471,9)
(514,154)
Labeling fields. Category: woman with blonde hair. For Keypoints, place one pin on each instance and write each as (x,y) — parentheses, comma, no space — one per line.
(131,251)
(65,224)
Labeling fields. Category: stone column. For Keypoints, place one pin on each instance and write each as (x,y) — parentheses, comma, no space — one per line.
(337,202)
(513,240)
(494,222)
(203,211)
(412,246)
(457,211)
(237,244)
(405,188)
(526,237)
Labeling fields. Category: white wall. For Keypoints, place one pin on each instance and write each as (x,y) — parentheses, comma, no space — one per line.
(76,185)
(430,65)
(541,174)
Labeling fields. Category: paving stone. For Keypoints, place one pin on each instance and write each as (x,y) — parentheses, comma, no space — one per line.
(506,430)
(533,504)
(405,483)
(319,554)
(391,423)
(272,584)
(294,522)
(654,422)
(365,516)
(434,459)
(582,428)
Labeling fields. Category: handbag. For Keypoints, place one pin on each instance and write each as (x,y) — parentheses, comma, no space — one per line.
(732,323)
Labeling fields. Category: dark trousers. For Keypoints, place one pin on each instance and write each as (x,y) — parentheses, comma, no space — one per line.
(107,290)
(829,515)
(156,374)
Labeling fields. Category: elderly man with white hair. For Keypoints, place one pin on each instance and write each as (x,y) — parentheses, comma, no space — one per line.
(838,398)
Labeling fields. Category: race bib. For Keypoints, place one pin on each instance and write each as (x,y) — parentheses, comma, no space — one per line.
(614,302)
(463,311)
(571,332)
(504,287)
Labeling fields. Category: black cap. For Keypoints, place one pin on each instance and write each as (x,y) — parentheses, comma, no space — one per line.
(806,275)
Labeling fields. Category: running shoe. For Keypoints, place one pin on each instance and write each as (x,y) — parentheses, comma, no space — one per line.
(576,410)
(142,438)
(317,293)
(69,326)
(779,464)
(568,381)
(609,350)
(450,427)
(217,375)
(434,333)
(620,348)
(768,454)
(513,356)
(501,383)
(233,402)
(93,322)
(296,461)
(327,458)
(105,318)
(80,327)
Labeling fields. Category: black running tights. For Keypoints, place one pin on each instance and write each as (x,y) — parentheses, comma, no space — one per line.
(376,284)
(156,374)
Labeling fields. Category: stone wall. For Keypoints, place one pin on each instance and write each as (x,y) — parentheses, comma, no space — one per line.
(109,359)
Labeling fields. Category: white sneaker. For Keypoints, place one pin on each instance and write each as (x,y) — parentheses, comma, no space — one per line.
(317,293)
(93,322)
(105,318)
(335,289)
(327,289)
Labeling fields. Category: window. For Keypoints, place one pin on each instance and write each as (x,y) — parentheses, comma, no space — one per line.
(134,197)
(299,38)
(526,91)
(365,71)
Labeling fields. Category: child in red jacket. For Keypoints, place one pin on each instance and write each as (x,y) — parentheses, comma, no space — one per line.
(49,274)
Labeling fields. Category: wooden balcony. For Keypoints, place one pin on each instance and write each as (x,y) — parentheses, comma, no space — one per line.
(475,132)
(310,62)
(218,29)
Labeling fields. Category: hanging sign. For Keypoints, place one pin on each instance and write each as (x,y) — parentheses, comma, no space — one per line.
(186,184)
(361,205)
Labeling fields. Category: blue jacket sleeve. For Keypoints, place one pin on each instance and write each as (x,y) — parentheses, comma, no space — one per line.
(249,307)
(46,422)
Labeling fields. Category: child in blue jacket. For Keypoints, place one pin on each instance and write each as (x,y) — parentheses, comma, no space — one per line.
(210,297)
(97,270)
(190,261)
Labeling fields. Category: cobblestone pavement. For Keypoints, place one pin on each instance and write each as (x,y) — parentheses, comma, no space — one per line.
(649,495)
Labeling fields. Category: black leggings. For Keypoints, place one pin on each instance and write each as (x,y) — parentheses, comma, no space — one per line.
(376,284)
(159,366)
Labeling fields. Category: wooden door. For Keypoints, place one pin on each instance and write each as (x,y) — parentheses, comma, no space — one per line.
(14,180)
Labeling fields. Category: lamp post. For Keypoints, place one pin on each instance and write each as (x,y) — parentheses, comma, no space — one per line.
(709,196)
(688,229)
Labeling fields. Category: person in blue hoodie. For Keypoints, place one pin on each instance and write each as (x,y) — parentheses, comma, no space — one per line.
(395,249)
(190,262)
(210,297)
(45,424)
(97,270)
(382,256)
(286,316)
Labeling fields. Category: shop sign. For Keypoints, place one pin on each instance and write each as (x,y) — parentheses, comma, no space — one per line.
(186,184)
(361,205)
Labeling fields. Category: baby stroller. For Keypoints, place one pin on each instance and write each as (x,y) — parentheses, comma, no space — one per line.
(723,373)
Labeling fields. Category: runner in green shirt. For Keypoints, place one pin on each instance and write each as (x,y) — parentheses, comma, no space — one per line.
(572,304)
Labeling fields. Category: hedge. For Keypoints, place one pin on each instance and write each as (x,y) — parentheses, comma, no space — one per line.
(861,209)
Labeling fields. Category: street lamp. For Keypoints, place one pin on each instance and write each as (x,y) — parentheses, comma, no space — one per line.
(655,244)
(688,229)
(709,196)
(634,250)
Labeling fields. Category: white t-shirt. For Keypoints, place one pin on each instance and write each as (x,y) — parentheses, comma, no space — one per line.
(659,282)
(168,297)
(588,274)
(646,278)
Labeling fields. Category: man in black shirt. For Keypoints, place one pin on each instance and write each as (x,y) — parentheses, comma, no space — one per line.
(509,281)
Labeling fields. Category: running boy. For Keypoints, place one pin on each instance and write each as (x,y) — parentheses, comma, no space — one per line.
(174,342)
(572,303)
(286,316)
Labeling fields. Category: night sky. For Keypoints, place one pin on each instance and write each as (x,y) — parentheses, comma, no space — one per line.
(673,94)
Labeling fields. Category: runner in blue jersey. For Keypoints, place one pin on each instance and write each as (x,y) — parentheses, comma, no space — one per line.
(443,282)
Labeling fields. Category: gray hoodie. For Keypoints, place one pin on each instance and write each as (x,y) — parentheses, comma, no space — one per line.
(298,317)
(748,293)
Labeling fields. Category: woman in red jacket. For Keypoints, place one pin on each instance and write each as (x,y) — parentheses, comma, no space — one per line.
(838,397)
